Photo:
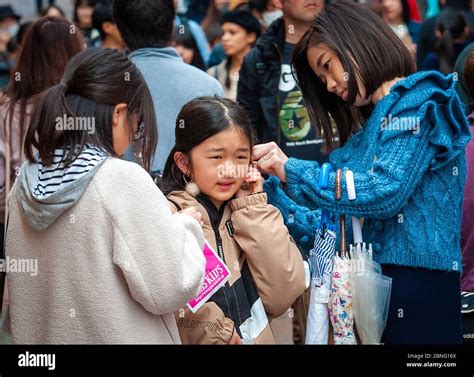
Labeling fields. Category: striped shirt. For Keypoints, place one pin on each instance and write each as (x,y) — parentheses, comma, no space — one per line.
(56,176)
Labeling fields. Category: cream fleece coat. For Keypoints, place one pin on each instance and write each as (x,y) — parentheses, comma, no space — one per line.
(113,266)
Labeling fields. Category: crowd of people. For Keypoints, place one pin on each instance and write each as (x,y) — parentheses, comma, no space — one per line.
(174,98)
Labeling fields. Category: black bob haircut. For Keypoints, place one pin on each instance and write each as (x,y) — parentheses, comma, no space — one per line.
(366,47)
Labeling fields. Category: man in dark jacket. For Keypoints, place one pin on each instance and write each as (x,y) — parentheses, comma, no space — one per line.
(268,91)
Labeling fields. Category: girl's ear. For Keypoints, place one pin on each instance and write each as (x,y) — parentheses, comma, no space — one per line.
(120,131)
(118,110)
(466,32)
(182,162)
(278,4)
(251,38)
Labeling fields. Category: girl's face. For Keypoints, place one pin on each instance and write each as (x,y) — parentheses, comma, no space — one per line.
(392,11)
(219,165)
(235,39)
(326,65)
(84,15)
(187,54)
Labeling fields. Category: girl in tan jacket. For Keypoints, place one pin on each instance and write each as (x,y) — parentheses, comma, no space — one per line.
(209,168)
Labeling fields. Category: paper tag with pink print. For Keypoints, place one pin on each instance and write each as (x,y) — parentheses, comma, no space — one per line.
(217,274)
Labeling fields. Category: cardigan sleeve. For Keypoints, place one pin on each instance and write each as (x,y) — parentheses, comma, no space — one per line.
(300,221)
(404,157)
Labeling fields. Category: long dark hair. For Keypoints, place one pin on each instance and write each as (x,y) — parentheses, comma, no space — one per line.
(451,25)
(197,121)
(182,36)
(406,13)
(212,18)
(366,47)
(94,82)
(46,49)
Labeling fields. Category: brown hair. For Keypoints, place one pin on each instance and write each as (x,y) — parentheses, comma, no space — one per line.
(46,49)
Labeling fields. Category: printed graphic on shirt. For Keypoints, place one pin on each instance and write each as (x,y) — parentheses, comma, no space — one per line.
(297,137)
(294,119)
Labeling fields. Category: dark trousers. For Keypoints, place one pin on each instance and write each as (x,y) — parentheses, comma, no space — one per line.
(425,306)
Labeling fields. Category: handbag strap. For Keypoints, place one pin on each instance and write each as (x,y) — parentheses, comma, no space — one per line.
(342,218)
(4,124)
(3,273)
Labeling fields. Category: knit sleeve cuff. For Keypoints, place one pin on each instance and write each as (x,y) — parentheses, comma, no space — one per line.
(293,170)
(296,171)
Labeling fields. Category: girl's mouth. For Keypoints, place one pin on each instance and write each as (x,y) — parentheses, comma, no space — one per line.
(225,186)
(344,95)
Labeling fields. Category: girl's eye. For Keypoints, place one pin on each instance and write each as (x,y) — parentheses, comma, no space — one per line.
(242,157)
(216,157)
(326,65)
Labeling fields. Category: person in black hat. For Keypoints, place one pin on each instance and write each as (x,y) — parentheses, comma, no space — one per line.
(240,30)
(9,25)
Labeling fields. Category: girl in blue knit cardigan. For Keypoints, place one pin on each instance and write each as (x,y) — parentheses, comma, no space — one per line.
(403,134)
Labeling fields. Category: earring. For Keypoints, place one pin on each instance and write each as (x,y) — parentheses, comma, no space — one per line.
(191,188)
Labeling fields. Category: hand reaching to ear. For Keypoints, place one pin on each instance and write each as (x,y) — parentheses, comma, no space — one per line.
(253,183)
(270,159)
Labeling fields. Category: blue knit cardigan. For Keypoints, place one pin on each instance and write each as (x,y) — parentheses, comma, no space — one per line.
(409,169)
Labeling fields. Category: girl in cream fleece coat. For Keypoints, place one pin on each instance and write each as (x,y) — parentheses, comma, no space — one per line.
(113,262)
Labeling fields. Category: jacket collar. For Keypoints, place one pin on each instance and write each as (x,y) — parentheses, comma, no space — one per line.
(152,52)
(275,34)
(212,215)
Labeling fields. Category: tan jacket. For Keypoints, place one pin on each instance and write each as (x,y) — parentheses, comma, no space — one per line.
(259,251)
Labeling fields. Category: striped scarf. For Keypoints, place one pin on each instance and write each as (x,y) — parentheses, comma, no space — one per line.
(56,176)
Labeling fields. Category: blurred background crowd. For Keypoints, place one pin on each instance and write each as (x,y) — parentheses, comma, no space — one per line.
(215,35)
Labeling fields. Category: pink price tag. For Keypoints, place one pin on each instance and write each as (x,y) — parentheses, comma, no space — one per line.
(217,274)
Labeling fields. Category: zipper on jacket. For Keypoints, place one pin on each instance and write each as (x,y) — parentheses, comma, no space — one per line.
(215,221)
(220,249)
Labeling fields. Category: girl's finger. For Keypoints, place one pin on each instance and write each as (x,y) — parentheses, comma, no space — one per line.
(266,165)
(261,150)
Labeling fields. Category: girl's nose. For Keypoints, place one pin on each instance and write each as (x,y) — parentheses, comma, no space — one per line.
(331,85)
